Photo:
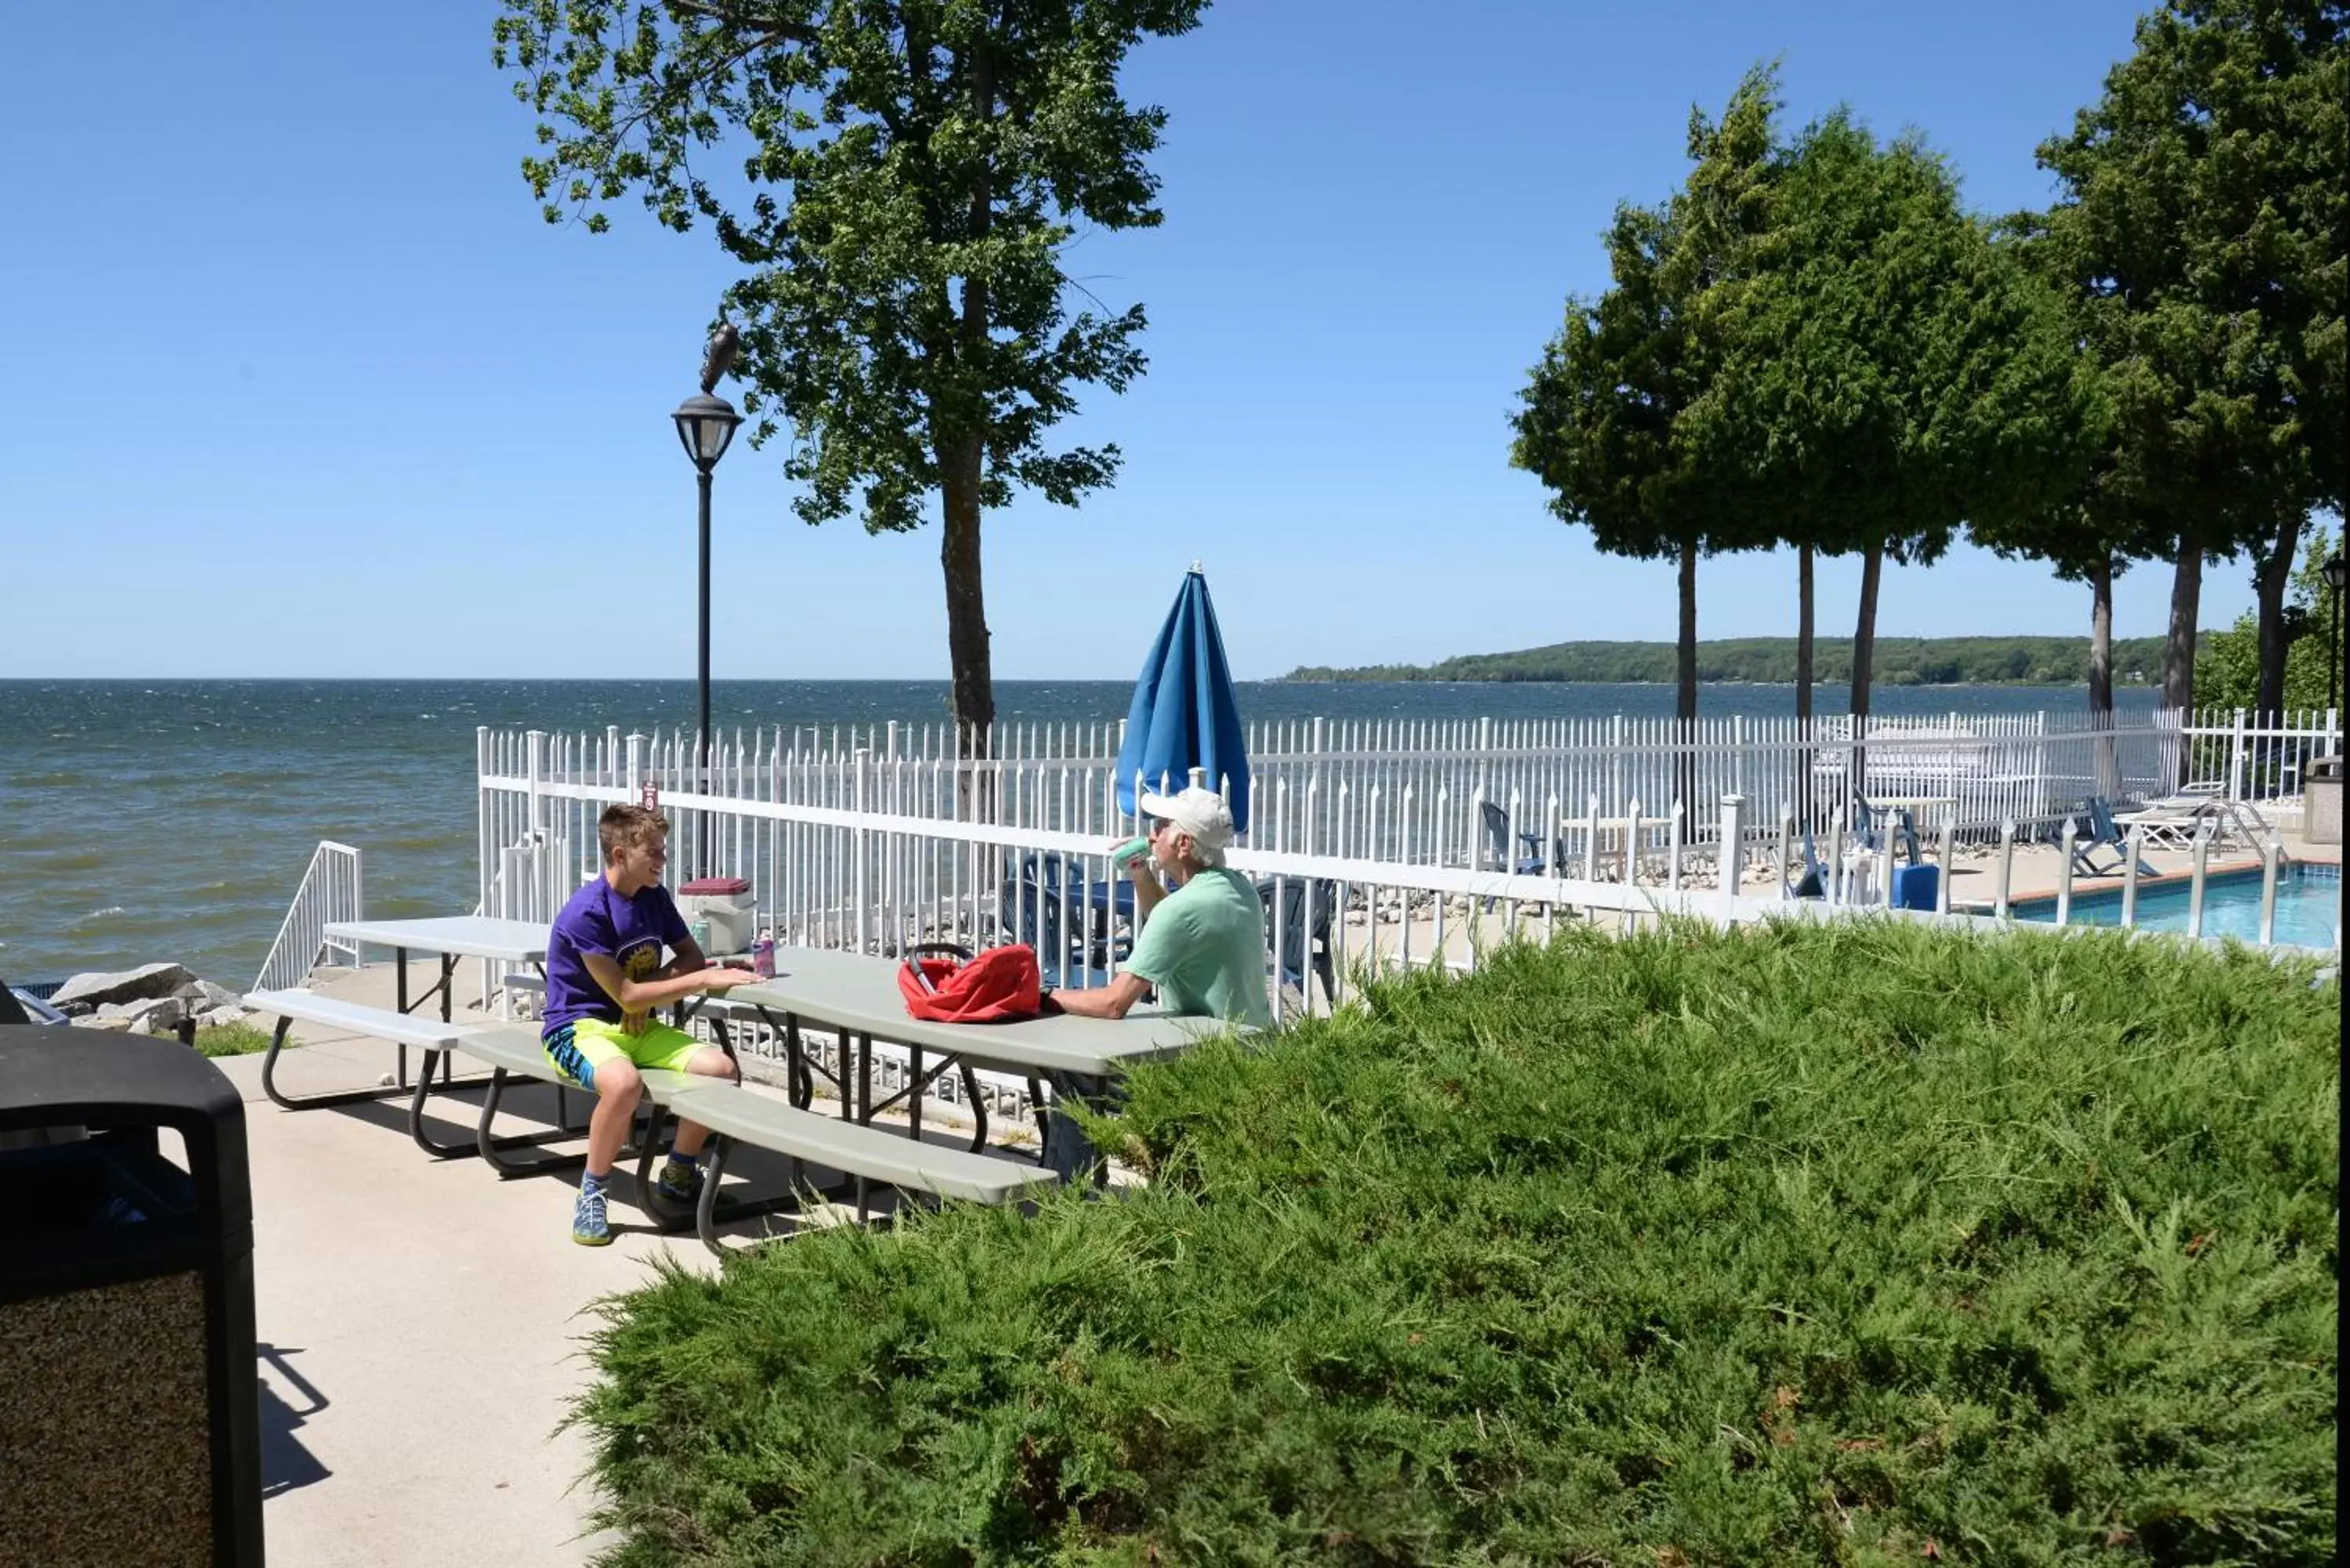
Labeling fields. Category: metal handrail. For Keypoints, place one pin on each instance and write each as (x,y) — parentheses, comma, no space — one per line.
(332,889)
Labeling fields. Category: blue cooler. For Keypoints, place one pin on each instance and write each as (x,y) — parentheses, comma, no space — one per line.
(1914,887)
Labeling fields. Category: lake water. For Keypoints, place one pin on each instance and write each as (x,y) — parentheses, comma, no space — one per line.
(145,820)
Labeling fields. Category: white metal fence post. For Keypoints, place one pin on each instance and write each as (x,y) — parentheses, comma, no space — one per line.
(1733,827)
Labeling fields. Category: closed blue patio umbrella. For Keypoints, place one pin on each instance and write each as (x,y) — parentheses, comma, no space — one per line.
(1184,715)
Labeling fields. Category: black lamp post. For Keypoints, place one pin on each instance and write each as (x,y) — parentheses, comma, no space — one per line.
(705,424)
(2333,574)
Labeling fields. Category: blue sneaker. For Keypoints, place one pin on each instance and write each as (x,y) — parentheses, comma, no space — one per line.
(588,1226)
(680,1182)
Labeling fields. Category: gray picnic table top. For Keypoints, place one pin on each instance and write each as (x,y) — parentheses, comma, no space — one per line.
(858,993)
(456,936)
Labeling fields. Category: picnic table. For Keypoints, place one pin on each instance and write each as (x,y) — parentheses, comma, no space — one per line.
(856,996)
(450,936)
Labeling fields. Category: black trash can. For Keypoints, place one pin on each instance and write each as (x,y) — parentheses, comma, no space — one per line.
(130,1403)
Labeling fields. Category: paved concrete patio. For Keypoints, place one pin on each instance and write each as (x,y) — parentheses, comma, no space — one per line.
(420,1321)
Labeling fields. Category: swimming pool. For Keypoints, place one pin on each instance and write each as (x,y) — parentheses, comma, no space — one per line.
(2308,902)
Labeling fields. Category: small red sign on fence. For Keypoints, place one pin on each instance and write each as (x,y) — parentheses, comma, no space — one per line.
(650,796)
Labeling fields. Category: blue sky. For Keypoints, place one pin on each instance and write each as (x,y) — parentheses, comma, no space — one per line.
(296,382)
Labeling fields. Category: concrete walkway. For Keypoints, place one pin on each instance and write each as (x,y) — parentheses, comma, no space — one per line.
(420,1322)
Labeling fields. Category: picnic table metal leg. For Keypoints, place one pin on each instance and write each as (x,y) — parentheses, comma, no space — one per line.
(914,1094)
(864,1089)
(400,1004)
(705,1212)
(493,1148)
(309,1102)
(799,1082)
(416,1116)
(1068,1150)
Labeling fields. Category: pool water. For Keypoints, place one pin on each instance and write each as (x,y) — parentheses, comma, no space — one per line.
(2308,906)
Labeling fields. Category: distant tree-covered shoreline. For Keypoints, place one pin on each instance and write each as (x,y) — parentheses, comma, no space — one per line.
(1770,660)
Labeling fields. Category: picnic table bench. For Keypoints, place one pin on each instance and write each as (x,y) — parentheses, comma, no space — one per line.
(437,1039)
(865,1154)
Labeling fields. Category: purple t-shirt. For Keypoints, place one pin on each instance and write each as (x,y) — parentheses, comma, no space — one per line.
(629,932)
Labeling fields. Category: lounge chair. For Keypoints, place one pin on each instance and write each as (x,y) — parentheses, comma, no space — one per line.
(2105,833)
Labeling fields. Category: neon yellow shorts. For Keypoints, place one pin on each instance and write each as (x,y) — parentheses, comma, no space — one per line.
(579,1048)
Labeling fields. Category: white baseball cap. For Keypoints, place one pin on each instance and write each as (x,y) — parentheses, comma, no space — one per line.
(1200,813)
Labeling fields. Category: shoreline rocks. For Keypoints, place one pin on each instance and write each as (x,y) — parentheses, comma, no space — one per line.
(153,999)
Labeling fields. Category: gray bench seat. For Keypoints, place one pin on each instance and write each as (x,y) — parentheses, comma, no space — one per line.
(858,1149)
(438,1039)
(435,1037)
(737,1114)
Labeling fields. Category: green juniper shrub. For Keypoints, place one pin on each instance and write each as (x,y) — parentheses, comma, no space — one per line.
(1852,1243)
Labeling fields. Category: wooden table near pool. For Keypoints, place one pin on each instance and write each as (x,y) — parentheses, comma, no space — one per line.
(857,996)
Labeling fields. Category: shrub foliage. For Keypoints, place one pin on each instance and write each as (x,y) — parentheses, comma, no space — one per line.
(1839,1245)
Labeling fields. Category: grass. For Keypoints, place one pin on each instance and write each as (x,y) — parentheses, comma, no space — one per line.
(233,1040)
(1844,1243)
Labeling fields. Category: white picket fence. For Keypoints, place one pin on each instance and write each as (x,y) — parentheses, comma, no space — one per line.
(1417,791)
(872,839)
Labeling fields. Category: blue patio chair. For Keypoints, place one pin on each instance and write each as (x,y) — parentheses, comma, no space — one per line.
(1871,824)
(1286,902)
(2103,833)
(1038,911)
(1497,843)
(1810,882)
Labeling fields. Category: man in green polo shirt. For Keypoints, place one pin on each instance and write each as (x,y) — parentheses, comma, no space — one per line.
(1202,944)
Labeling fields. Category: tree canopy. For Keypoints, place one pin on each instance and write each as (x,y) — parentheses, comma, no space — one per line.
(2206,228)
(910,171)
(1610,419)
(1896,373)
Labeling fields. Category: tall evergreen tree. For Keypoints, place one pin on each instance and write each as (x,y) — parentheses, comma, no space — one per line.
(1608,418)
(1895,373)
(2207,229)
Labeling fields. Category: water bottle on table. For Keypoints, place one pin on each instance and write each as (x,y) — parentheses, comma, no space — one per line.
(763,952)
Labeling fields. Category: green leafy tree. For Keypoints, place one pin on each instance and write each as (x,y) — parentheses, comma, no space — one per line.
(2094,533)
(2206,226)
(911,172)
(1606,420)
(2228,663)
(1896,373)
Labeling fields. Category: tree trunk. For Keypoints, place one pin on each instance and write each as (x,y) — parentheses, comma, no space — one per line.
(1803,631)
(1685,693)
(958,427)
(1864,631)
(1805,600)
(2271,575)
(2179,649)
(1864,653)
(973,676)
(2100,673)
(2101,639)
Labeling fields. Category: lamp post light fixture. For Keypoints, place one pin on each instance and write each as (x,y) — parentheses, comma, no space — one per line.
(706,425)
(2333,572)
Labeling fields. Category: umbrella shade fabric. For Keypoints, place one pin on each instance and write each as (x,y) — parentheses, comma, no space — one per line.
(1184,715)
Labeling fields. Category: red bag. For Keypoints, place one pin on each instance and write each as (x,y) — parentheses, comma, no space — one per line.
(998,985)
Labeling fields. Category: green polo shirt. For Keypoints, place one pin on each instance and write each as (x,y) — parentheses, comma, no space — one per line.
(1203,950)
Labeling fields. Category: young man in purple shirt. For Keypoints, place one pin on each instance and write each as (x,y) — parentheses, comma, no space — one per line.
(604,977)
